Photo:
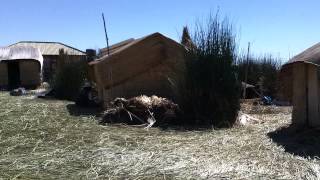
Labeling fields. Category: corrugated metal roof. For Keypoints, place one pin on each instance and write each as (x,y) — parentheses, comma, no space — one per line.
(311,55)
(20,52)
(50,48)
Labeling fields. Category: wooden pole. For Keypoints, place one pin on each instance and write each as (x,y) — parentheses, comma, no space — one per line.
(105,31)
(246,73)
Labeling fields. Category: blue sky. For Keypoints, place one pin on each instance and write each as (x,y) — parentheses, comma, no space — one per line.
(281,27)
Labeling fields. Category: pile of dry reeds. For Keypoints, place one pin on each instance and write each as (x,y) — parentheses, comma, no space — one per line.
(141,110)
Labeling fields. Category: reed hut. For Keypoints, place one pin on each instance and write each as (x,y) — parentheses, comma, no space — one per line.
(50,52)
(300,78)
(20,66)
(140,67)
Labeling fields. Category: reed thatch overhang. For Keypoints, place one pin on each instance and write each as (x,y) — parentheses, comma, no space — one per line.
(21,53)
(310,55)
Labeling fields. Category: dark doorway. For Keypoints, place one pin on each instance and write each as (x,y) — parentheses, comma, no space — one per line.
(13,74)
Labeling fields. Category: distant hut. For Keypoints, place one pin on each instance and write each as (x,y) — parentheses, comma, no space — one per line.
(137,67)
(300,79)
(50,52)
(251,92)
(20,67)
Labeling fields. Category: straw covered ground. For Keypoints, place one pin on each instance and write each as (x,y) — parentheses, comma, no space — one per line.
(50,139)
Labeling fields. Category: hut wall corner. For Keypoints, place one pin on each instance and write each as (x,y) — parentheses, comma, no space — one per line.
(313,96)
(299,99)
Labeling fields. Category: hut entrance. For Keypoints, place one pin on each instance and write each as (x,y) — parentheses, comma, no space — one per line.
(13,75)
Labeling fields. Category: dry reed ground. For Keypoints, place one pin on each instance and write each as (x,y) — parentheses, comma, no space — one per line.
(41,139)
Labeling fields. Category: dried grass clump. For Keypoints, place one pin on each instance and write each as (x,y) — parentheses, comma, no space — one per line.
(142,110)
(262,109)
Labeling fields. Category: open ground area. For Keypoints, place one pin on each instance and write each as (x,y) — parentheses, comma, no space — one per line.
(51,139)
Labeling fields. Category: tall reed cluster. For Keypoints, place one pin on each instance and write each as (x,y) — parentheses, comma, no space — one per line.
(209,91)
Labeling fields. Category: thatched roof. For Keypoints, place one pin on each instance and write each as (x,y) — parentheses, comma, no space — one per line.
(115,47)
(310,55)
(50,48)
(19,53)
(135,58)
